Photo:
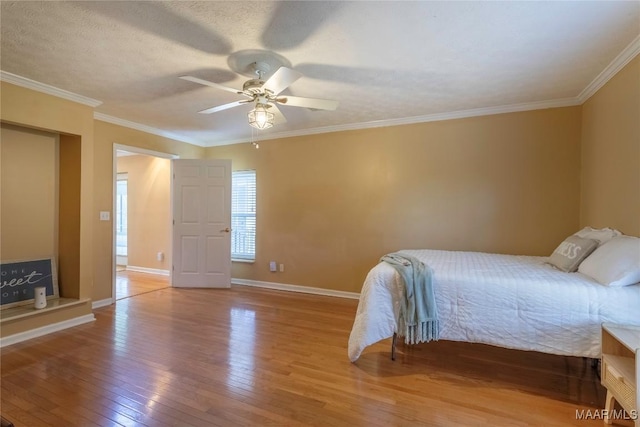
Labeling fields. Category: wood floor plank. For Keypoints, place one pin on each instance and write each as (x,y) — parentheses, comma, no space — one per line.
(20,416)
(132,283)
(248,357)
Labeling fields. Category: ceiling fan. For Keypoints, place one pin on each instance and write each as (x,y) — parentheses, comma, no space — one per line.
(264,95)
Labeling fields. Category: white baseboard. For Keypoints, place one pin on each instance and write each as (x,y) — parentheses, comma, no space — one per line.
(101,303)
(296,288)
(148,270)
(44,330)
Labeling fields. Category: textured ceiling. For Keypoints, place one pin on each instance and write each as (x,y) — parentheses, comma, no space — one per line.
(382,61)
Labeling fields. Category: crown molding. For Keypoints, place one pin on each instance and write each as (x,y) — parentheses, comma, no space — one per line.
(45,88)
(144,128)
(461,114)
(627,54)
(623,58)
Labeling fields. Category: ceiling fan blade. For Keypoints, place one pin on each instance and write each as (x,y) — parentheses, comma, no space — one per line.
(313,103)
(224,107)
(281,79)
(278,117)
(212,84)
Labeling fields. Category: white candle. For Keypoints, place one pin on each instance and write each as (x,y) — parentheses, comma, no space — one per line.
(40,296)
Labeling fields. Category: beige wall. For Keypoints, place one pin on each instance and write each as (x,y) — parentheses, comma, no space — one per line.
(35,110)
(148,209)
(330,205)
(610,192)
(29,188)
(106,135)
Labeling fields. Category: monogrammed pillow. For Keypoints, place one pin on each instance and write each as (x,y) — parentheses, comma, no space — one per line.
(568,256)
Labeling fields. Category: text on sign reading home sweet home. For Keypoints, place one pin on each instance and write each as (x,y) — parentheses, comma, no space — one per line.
(18,280)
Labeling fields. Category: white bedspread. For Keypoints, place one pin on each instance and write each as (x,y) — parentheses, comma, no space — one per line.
(505,300)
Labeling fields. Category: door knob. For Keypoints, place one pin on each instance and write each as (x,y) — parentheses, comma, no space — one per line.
(225,230)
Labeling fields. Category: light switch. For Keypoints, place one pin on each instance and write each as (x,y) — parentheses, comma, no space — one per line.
(104,215)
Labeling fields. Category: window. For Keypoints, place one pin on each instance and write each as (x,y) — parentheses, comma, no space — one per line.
(121,215)
(243,215)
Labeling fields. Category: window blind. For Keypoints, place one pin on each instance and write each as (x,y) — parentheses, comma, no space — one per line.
(243,215)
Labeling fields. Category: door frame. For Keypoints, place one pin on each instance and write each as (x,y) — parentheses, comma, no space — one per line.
(135,150)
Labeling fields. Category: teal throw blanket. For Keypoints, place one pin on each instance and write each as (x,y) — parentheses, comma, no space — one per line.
(418,316)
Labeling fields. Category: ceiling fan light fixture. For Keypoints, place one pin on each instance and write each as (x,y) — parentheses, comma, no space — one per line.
(260,118)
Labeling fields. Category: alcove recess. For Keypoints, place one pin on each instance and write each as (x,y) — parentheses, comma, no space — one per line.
(66,239)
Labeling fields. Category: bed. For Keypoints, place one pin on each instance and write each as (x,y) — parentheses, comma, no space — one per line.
(511,301)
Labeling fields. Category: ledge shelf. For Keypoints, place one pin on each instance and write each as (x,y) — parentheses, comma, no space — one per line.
(14,313)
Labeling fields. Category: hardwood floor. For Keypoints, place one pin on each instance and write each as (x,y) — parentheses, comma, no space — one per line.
(131,283)
(254,357)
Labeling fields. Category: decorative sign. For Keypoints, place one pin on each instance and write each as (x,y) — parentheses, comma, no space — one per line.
(18,279)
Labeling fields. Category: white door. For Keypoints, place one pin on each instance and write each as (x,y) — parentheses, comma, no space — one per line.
(201,223)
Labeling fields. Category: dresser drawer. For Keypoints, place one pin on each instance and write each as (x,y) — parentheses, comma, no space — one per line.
(619,384)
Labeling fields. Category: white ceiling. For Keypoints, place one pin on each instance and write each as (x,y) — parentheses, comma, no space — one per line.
(385,62)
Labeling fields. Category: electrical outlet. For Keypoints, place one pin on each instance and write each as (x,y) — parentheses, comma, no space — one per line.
(281,268)
(104,215)
(272,266)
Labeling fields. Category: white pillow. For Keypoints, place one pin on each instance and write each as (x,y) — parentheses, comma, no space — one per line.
(615,263)
(602,235)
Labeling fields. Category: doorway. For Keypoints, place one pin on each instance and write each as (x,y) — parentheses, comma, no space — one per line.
(142,221)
